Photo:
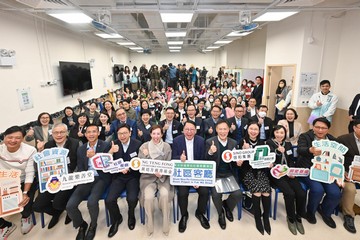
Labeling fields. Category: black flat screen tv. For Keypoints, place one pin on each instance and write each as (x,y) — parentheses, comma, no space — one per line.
(76,77)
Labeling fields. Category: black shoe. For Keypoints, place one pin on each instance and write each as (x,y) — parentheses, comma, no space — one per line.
(67,219)
(228,212)
(311,218)
(203,220)
(90,233)
(259,225)
(131,223)
(82,231)
(349,224)
(267,226)
(54,220)
(222,221)
(327,219)
(182,223)
(115,227)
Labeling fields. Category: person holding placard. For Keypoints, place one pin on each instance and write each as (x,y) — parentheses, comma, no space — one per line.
(294,194)
(14,154)
(189,147)
(352,141)
(317,189)
(151,184)
(55,204)
(256,180)
(226,173)
(125,148)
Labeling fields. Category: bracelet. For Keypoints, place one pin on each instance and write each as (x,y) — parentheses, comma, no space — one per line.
(25,192)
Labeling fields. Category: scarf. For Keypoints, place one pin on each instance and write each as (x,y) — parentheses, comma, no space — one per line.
(156,150)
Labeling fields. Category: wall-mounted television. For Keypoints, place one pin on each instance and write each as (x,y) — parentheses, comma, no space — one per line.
(76,77)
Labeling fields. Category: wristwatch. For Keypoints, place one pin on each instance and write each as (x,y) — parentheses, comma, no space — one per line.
(25,192)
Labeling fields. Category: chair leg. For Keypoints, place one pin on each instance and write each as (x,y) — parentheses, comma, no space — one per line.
(33,218)
(107,216)
(174,209)
(239,208)
(42,217)
(275,204)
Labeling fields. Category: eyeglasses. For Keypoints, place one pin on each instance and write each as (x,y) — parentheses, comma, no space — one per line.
(189,129)
(59,133)
(320,128)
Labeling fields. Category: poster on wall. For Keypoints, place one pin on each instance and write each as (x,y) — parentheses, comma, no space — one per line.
(10,192)
(118,70)
(308,86)
(25,99)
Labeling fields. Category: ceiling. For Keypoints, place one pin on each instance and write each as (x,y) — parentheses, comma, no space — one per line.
(139,21)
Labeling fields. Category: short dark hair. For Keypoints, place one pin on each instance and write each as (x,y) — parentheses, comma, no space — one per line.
(123,125)
(263,106)
(145,111)
(70,108)
(170,108)
(278,127)
(190,122)
(325,82)
(323,120)
(215,106)
(92,125)
(293,110)
(220,121)
(356,122)
(239,105)
(14,129)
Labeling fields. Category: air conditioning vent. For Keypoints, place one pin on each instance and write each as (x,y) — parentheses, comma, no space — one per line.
(45,4)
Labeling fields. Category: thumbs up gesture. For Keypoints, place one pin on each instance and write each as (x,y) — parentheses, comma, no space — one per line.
(210,130)
(30,132)
(90,153)
(245,145)
(40,145)
(114,148)
(213,148)
(281,149)
(233,127)
(183,156)
(184,119)
(140,133)
(107,127)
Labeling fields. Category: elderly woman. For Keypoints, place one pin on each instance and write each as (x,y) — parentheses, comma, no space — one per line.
(150,184)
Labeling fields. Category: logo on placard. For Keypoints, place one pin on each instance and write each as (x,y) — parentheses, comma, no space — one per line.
(227,156)
(54,184)
(135,163)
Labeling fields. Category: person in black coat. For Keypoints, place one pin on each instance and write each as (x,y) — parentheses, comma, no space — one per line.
(70,118)
(144,125)
(266,123)
(171,127)
(209,124)
(201,111)
(258,91)
(78,130)
(354,112)
(125,148)
(238,124)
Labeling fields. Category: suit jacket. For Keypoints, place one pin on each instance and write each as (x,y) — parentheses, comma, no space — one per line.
(65,120)
(268,124)
(204,114)
(177,128)
(146,131)
(207,123)
(71,144)
(233,135)
(83,160)
(115,124)
(179,145)
(353,106)
(349,141)
(257,94)
(297,131)
(38,134)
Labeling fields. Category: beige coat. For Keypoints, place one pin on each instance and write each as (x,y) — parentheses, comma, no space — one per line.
(297,131)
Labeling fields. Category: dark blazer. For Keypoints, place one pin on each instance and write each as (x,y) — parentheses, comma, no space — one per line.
(304,144)
(233,135)
(288,153)
(353,106)
(130,153)
(115,124)
(146,132)
(71,144)
(74,133)
(177,128)
(231,144)
(349,141)
(65,120)
(257,94)
(179,145)
(204,114)
(207,123)
(268,124)
(83,160)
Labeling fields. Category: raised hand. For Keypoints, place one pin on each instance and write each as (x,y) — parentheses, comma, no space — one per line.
(233,127)
(90,153)
(213,148)
(107,127)
(140,133)
(183,156)
(40,145)
(145,151)
(114,148)
(245,145)
(281,149)
(30,132)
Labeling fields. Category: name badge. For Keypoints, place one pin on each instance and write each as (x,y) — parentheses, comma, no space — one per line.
(67,160)
(148,126)
(197,127)
(266,127)
(289,152)
(100,129)
(222,115)
(245,127)
(130,128)
(134,154)
(175,131)
(50,132)
(203,117)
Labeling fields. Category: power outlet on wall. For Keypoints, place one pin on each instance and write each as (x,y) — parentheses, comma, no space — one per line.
(46,84)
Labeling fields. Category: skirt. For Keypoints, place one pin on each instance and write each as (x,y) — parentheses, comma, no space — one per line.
(257,182)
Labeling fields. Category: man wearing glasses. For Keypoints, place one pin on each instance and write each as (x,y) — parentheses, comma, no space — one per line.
(237,124)
(191,115)
(121,118)
(190,147)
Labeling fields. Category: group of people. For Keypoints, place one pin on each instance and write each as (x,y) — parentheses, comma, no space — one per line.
(188,123)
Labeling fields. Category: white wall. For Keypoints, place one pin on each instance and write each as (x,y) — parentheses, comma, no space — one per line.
(39,47)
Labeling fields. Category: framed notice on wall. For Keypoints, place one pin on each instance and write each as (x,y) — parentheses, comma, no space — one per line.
(25,99)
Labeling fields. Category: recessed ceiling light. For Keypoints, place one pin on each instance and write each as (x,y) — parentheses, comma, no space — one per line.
(175,34)
(136,48)
(207,50)
(175,42)
(175,47)
(213,47)
(126,43)
(105,35)
(176,17)
(140,51)
(174,50)
(71,17)
(223,42)
(274,16)
(238,34)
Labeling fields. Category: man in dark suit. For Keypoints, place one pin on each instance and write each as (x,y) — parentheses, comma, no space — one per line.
(351,141)
(266,123)
(189,147)
(215,146)
(209,124)
(171,127)
(258,91)
(121,119)
(190,115)
(125,148)
(251,108)
(92,191)
(354,112)
(238,124)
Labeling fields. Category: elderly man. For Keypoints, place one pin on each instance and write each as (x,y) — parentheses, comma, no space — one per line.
(189,147)
(122,118)
(171,127)
(14,154)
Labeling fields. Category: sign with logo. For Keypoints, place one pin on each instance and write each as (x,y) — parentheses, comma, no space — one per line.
(68,181)
(354,170)
(106,163)
(282,170)
(193,173)
(258,157)
(152,166)
(328,166)
(10,192)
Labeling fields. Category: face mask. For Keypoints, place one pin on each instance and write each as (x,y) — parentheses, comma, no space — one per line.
(190,95)
(244,84)
(225,100)
(249,85)
(262,114)
(163,92)
(177,95)
(138,93)
(211,100)
(195,101)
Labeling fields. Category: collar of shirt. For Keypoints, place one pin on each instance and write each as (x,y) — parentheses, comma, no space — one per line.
(222,142)
(88,146)
(126,145)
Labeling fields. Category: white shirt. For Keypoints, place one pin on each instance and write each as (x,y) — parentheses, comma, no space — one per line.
(125,145)
(169,137)
(223,142)
(190,149)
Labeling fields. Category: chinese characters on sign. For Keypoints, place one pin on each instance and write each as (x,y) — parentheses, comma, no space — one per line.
(354,170)
(152,166)
(105,162)
(10,192)
(68,181)
(279,171)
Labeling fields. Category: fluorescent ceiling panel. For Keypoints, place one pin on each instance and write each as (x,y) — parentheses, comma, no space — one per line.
(223,42)
(175,42)
(175,34)
(237,34)
(126,43)
(174,50)
(71,17)
(213,47)
(176,17)
(136,48)
(140,51)
(105,35)
(175,47)
(207,50)
(274,16)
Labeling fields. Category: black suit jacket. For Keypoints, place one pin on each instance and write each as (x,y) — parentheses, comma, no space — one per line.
(179,146)
(257,94)
(349,141)
(268,124)
(233,135)
(207,123)
(177,128)
(353,106)
(204,114)
(83,160)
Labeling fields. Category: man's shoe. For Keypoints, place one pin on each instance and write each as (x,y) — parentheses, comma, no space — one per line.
(26,225)
(203,220)
(311,218)
(327,219)
(349,223)
(182,223)
(115,227)
(90,233)
(228,212)
(291,226)
(82,231)
(54,220)
(299,225)
(131,223)
(222,221)
(7,230)
(67,220)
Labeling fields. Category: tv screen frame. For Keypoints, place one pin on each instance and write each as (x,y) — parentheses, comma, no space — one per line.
(75,77)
